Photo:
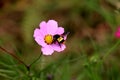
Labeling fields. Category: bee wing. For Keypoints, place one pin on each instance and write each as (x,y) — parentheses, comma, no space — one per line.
(65,35)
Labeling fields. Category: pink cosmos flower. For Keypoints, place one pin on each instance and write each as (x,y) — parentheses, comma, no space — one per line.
(44,37)
(117,33)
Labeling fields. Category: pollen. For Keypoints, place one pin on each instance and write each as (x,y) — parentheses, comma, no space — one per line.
(48,39)
(60,39)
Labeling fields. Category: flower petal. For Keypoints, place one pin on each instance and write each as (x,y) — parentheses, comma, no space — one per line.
(60,30)
(117,34)
(40,41)
(58,48)
(36,33)
(47,50)
(39,37)
(52,26)
(43,27)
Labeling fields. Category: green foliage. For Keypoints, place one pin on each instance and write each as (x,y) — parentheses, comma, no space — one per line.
(85,58)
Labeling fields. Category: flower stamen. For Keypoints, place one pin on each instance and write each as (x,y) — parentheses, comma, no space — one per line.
(48,39)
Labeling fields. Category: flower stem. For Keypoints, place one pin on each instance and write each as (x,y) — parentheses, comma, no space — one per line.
(14,56)
(20,61)
(35,60)
(29,66)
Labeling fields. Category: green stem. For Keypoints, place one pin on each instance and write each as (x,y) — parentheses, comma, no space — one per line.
(111,49)
(35,60)
(14,56)
(20,61)
(29,66)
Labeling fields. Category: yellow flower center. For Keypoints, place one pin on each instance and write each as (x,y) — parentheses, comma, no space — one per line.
(48,39)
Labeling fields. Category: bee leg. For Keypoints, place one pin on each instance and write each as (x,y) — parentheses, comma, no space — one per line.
(59,45)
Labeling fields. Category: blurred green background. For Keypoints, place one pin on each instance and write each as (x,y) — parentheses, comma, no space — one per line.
(91,24)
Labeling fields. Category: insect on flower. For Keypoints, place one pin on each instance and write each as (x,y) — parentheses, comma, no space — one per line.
(50,37)
(60,38)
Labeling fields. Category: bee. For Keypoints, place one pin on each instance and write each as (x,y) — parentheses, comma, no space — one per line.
(60,38)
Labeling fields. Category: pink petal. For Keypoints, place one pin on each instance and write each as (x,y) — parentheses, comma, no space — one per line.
(43,27)
(65,37)
(58,48)
(36,33)
(40,41)
(47,50)
(52,26)
(60,30)
(117,34)
(39,37)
